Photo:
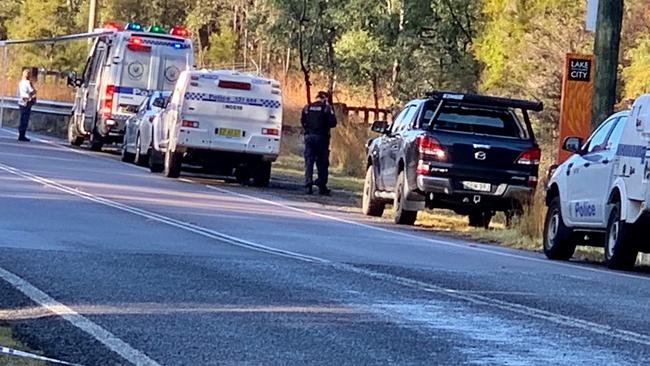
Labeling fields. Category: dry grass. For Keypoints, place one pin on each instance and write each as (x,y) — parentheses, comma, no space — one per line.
(7,340)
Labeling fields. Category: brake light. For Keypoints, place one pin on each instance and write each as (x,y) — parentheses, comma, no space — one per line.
(107,102)
(430,147)
(531,156)
(137,44)
(234,85)
(190,124)
(271,131)
(179,31)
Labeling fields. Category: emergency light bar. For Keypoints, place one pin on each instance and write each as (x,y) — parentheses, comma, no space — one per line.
(156,29)
(179,31)
(113,26)
(133,27)
(137,44)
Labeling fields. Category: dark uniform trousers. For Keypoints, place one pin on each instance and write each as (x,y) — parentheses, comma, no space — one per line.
(24,119)
(317,151)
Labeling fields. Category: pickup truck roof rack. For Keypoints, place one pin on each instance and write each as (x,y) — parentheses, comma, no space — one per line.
(485,100)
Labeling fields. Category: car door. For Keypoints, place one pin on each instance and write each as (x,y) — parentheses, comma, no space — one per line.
(91,84)
(388,151)
(589,178)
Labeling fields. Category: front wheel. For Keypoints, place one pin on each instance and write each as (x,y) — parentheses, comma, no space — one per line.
(370,205)
(127,157)
(73,138)
(173,161)
(402,216)
(140,158)
(96,142)
(559,241)
(620,251)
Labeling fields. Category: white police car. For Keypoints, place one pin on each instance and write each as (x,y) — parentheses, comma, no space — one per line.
(600,196)
(225,121)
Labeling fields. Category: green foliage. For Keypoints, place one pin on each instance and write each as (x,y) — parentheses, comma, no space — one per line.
(221,48)
(637,75)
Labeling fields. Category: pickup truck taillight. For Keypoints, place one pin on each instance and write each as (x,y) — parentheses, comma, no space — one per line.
(530,157)
(429,147)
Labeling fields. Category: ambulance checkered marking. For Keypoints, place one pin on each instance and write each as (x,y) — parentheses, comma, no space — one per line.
(266,103)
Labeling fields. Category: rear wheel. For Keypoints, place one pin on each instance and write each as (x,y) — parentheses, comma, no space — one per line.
(402,216)
(559,241)
(172,167)
(156,161)
(96,142)
(371,206)
(480,219)
(262,174)
(620,250)
(140,158)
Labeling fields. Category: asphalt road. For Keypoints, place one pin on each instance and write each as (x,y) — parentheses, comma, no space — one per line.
(103,263)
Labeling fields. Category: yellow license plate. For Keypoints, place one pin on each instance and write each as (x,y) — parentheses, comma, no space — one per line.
(229,132)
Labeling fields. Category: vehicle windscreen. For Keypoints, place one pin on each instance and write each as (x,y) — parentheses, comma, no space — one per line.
(500,122)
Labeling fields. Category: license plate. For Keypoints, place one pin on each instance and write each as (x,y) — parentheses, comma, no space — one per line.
(229,132)
(476,186)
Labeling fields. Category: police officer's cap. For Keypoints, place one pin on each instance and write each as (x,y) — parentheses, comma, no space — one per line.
(323,95)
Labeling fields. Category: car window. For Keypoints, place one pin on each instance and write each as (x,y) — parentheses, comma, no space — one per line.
(399,119)
(407,121)
(616,134)
(598,140)
(485,121)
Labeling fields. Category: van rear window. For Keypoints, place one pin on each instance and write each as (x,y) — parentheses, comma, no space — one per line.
(137,69)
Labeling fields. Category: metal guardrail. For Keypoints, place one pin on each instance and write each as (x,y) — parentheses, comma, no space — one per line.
(41,106)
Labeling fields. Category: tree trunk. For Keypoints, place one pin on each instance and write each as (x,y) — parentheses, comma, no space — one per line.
(287,65)
(375,93)
(606,49)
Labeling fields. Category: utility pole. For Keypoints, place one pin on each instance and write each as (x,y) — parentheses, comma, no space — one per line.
(92,15)
(606,49)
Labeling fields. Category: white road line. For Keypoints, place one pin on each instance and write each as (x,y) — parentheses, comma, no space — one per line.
(107,338)
(474,298)
(466,245)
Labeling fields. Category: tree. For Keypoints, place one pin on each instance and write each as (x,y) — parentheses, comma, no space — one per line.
(637,75)
(221,48)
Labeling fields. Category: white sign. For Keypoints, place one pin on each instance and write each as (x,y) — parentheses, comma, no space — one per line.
(592,15)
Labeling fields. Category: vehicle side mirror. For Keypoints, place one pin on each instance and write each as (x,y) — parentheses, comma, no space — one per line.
(572,144)
(72,80)
(379,126)
(159,102)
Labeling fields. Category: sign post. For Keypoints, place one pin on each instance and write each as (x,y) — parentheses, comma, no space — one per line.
(577,91)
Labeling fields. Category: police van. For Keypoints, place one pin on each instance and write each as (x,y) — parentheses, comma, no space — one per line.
(225,121)
(601,195)
(124,66)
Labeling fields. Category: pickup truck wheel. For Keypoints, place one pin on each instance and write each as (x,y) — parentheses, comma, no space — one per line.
(559,243)
(73,139)
(172,166)
(127,157)
(401,215)
(155,162)
(370,205)
(620,251)
(139,158)
(262,174)
(480,219)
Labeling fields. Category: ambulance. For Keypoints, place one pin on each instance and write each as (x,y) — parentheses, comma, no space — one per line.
(600,196)
(125,65)
(227,122)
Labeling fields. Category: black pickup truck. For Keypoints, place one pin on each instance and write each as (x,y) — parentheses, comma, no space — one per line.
(473,154)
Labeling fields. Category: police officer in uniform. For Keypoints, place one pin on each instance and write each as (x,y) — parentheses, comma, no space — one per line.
(317,120)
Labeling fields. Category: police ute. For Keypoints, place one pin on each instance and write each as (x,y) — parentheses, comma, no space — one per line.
(600,196)
(125,65)
(227,122)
